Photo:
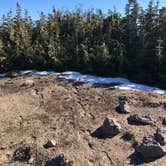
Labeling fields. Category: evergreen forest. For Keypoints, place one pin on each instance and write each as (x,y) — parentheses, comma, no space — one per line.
(130,45)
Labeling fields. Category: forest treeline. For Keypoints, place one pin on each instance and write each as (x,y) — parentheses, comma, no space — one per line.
(132,45)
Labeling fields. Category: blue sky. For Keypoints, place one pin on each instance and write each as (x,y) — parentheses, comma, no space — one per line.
(36,6)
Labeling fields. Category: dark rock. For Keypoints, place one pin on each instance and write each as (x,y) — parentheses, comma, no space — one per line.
(140,119)
(22,154)
(164,121)
(123,98)
(109,129)
(150,148)
(50,143)
(111,126)
(123,107)
(164,105)
(59,160)
(160,136)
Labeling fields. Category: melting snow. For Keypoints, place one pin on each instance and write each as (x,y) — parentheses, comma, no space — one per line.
(35,72)
(2,74)
(124,84)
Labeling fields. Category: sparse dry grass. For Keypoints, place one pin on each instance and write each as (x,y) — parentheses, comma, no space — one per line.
(68,112)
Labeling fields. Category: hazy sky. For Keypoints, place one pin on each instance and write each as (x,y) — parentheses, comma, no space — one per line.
(36,6)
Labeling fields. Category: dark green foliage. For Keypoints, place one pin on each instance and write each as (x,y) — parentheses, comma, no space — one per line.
(132,45)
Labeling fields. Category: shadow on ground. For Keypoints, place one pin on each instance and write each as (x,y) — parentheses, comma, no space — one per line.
(98,133)
(137,159)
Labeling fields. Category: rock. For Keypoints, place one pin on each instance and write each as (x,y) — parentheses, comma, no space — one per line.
(123,98)
(31,161)
(59,160)
(164,121)
(160,136)
(3,147)
(28,83)
(109,129)
(140,119)
(123,107)
(50,143)
(22,154)
(111,126)
(12,74)
(150,148)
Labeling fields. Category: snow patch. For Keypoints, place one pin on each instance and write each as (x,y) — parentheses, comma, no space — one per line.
(123,83)
(35,72)
(2,74)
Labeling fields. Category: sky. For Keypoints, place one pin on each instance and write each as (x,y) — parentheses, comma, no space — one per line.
(36,6)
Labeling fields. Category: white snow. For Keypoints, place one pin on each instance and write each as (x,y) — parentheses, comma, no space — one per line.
(35,72)
(125,84)
(122,83)
(92,79)
(2,74)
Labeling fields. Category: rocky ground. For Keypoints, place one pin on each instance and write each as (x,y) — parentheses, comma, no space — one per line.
(36,109)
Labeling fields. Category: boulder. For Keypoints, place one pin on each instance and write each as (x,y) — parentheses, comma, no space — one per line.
(123,107)
(111,126)
(140,119)
(150,148)
(50,143)
(160,136)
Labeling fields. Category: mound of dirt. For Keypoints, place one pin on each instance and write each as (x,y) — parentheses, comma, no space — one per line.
(35,109)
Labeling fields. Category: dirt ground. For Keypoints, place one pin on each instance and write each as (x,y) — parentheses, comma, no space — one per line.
(52,108)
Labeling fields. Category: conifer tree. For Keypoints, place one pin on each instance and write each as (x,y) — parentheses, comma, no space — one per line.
(131,45)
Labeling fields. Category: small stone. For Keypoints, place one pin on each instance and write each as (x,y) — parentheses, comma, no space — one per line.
(2,147)
(160,136)
(150,148)
(50,143)
(140,119)
(31,160)
(123,107)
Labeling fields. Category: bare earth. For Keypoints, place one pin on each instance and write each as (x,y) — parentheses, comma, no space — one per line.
(69,112)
